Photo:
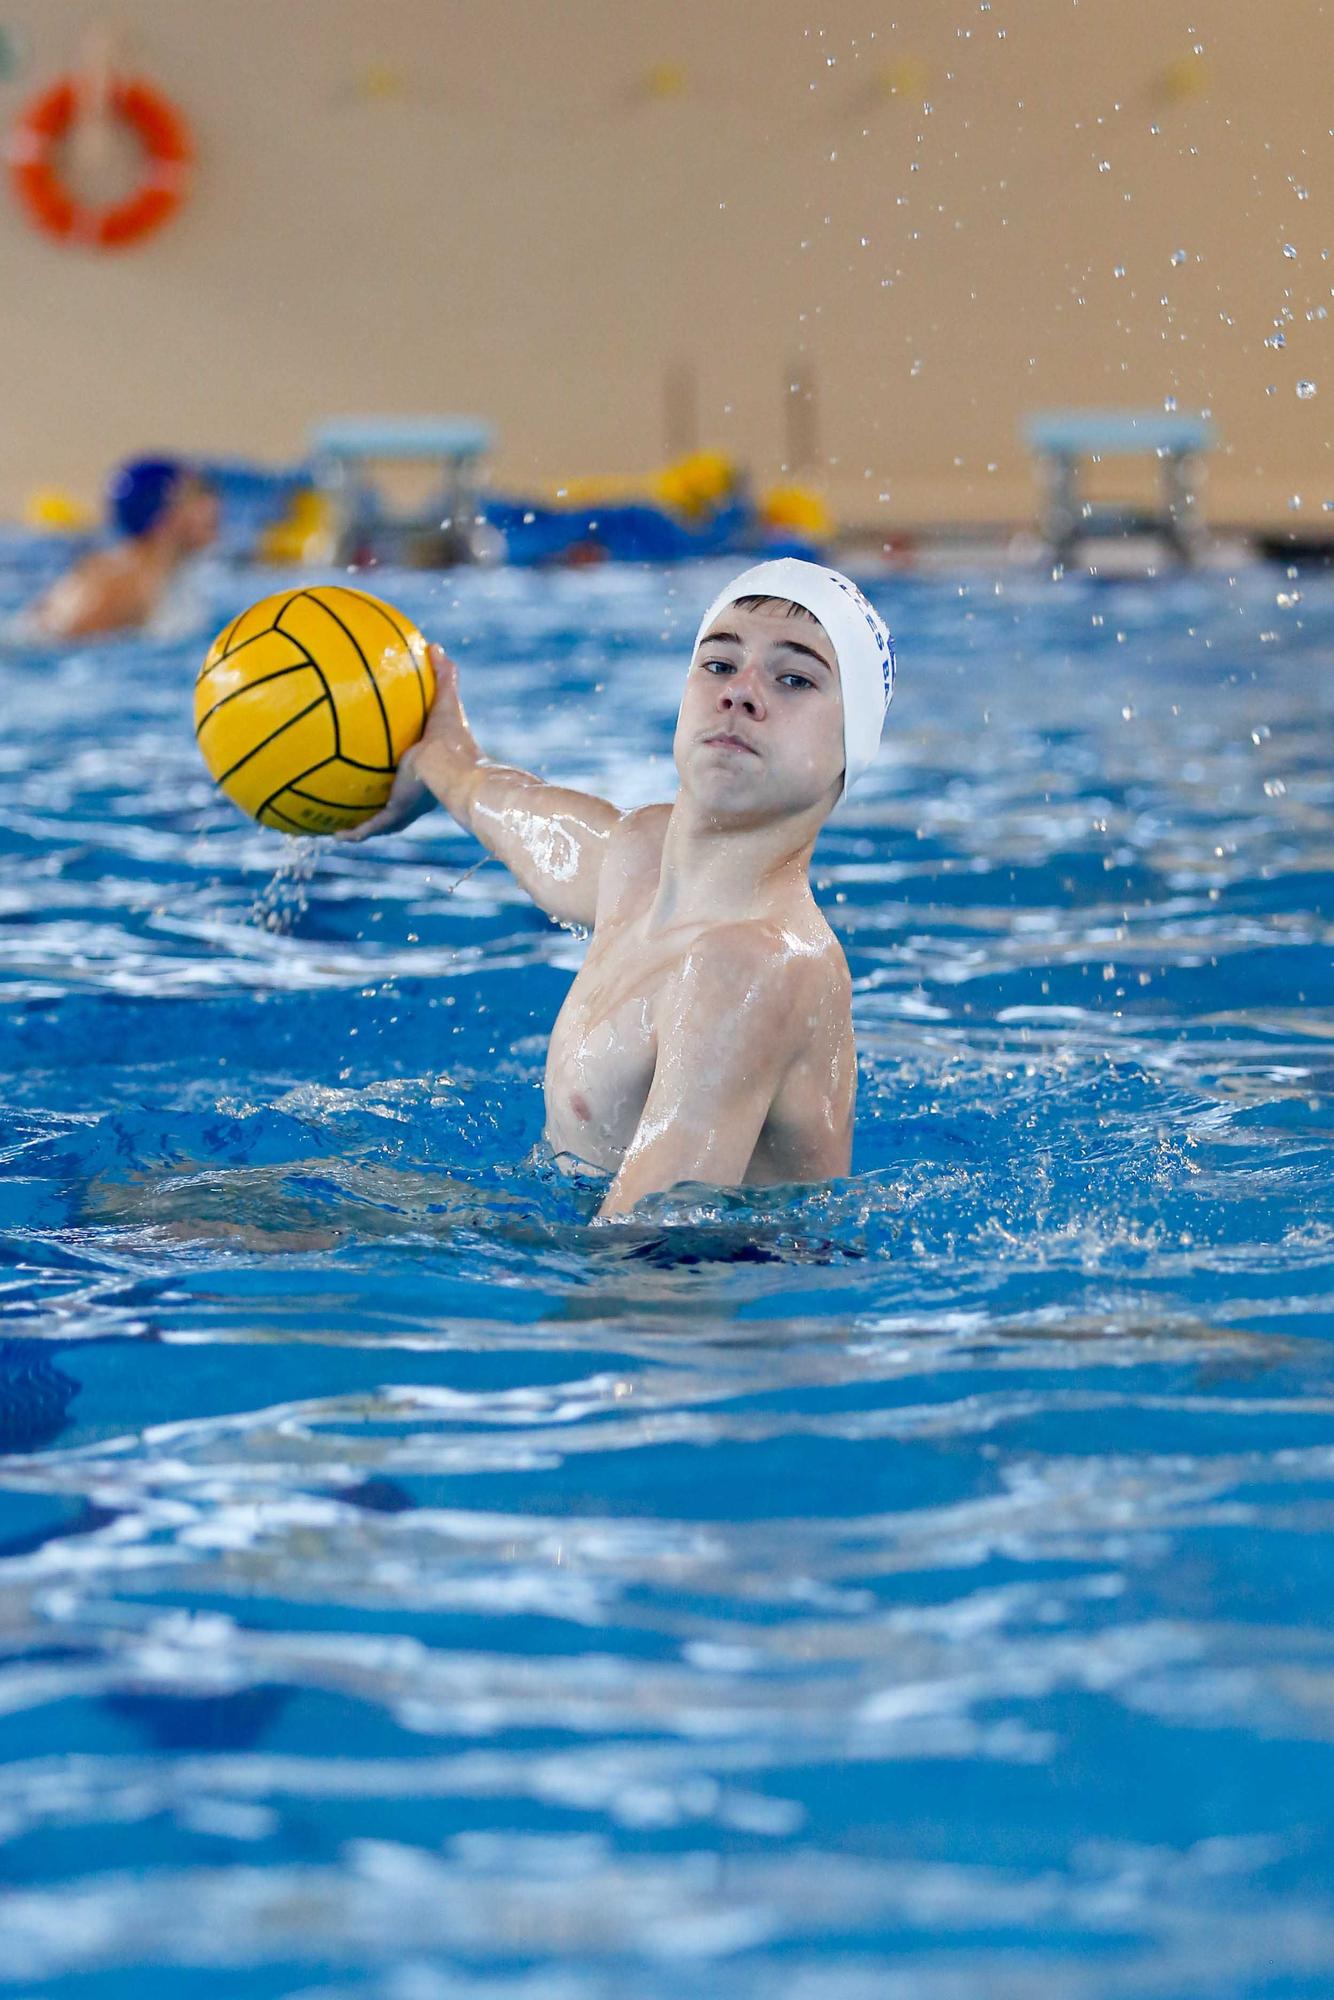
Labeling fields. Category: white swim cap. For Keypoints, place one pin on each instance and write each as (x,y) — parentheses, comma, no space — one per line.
(858,635)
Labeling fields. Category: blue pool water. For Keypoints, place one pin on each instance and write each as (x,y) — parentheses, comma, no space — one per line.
(911,1589)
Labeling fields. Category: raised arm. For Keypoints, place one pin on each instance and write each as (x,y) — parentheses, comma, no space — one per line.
(725,1043)
(553,841)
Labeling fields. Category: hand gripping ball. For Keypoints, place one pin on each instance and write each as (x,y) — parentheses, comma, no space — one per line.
(307,701)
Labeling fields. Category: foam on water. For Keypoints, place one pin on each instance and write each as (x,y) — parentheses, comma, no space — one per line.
(915,1586)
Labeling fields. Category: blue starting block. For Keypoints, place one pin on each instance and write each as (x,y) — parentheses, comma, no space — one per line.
(1063,438)
(345,453)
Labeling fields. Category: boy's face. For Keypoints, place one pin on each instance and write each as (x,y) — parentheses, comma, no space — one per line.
(194,513)
(760,732)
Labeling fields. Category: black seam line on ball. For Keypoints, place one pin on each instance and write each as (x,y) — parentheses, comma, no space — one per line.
(225,642)
(334,805)
(374,604)
(298,791)
(286,606)
(273,736)
(254,639)
(324,678)
(273,626)
(297,667)
(295,825)
(307,660)
(291,785)
(329,612)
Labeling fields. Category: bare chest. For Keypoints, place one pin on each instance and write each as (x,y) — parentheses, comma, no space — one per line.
(604,1046)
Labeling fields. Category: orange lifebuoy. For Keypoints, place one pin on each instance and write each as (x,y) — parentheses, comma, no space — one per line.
(162,133)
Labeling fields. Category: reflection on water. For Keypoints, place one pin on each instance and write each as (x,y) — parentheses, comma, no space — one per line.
(913,1586)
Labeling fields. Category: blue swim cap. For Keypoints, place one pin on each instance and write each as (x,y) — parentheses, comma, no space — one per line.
(140,492)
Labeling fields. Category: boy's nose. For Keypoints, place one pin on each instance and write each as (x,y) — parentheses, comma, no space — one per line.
(743,690)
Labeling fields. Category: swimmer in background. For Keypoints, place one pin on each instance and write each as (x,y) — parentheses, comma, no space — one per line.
(708,1034)
(164,513)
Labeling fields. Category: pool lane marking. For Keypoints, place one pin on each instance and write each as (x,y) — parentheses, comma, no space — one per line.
(329,612)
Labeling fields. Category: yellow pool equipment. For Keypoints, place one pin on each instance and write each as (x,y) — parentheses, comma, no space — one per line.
(305,534)
(796,510)
(52,508)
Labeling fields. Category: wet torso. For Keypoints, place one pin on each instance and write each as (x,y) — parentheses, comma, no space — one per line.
(604,1045)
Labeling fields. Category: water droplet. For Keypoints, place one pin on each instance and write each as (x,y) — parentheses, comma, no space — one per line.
(1118,270)
(1169,402)
(1104,166)
(1274,788)
(1179,256)
(1290,250)
(1305,391)
(1294,504)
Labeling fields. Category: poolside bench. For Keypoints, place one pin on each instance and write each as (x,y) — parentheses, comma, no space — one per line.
(1062,439)
(346,453)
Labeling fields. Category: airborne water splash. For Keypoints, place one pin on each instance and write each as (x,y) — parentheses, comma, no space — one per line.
(914,1585)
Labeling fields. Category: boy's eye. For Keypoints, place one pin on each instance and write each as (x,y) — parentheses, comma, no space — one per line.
(718,666)
(797,680)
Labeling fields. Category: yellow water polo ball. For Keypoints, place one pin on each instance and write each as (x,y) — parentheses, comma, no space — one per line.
(307,701)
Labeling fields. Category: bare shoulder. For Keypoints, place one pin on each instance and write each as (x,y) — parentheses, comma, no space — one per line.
(768,970)
(830,962)
(104,591)
(113,568)
(638,835)
(634,856)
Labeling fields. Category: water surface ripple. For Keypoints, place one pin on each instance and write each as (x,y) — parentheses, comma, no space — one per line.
(911,1589)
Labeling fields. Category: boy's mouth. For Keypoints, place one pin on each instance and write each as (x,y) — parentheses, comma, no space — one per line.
(723,739)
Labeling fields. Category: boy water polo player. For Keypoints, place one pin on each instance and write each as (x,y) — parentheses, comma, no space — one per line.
(708,1034)
(162,512)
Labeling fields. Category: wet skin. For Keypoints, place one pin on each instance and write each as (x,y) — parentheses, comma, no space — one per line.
(119,588)
(708,1034)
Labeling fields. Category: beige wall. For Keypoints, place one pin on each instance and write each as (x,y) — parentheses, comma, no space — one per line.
(410,205)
